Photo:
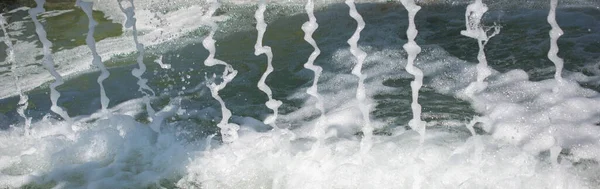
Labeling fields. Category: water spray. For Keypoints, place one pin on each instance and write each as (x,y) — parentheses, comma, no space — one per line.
(361,95)
(138,72)
(413,49)
(228,130)
(48,60)
(476,30)
(91,43)
(555,33)
(309,29)
(261,27)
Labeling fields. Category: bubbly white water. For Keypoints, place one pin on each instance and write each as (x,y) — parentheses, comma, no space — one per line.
(476,30)
(522,120)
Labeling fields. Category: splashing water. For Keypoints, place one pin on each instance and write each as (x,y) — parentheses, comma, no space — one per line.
(138,72)
(309,29)
(261,27)
(161,63)
(521,132)
(228,130)
(555,33)
(477,31)
(48,60)
(413,50)
(361,95)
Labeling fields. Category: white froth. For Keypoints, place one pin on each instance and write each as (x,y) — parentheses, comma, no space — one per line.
(98,155)
(522,119)
(442,162)
(476,30)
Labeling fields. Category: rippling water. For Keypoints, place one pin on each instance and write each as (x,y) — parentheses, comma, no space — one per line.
(521,115)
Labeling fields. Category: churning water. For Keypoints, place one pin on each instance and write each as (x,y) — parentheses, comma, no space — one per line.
(301,94)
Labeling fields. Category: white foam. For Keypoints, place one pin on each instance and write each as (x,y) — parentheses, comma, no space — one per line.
(527,113)
(443,162)
(99,155)
(476,30)
(521,117)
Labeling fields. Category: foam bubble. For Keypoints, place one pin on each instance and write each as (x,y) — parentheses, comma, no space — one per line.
(112,152)
(521,121)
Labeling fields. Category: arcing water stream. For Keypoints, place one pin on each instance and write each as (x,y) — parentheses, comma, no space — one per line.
(131,22)
(228,130)
(413,50)
(361,95)
(97,60)
(48,60)
(261,26)
(357,87)
(309,29)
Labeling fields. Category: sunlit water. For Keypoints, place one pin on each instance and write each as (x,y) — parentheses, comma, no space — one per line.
(520,119)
